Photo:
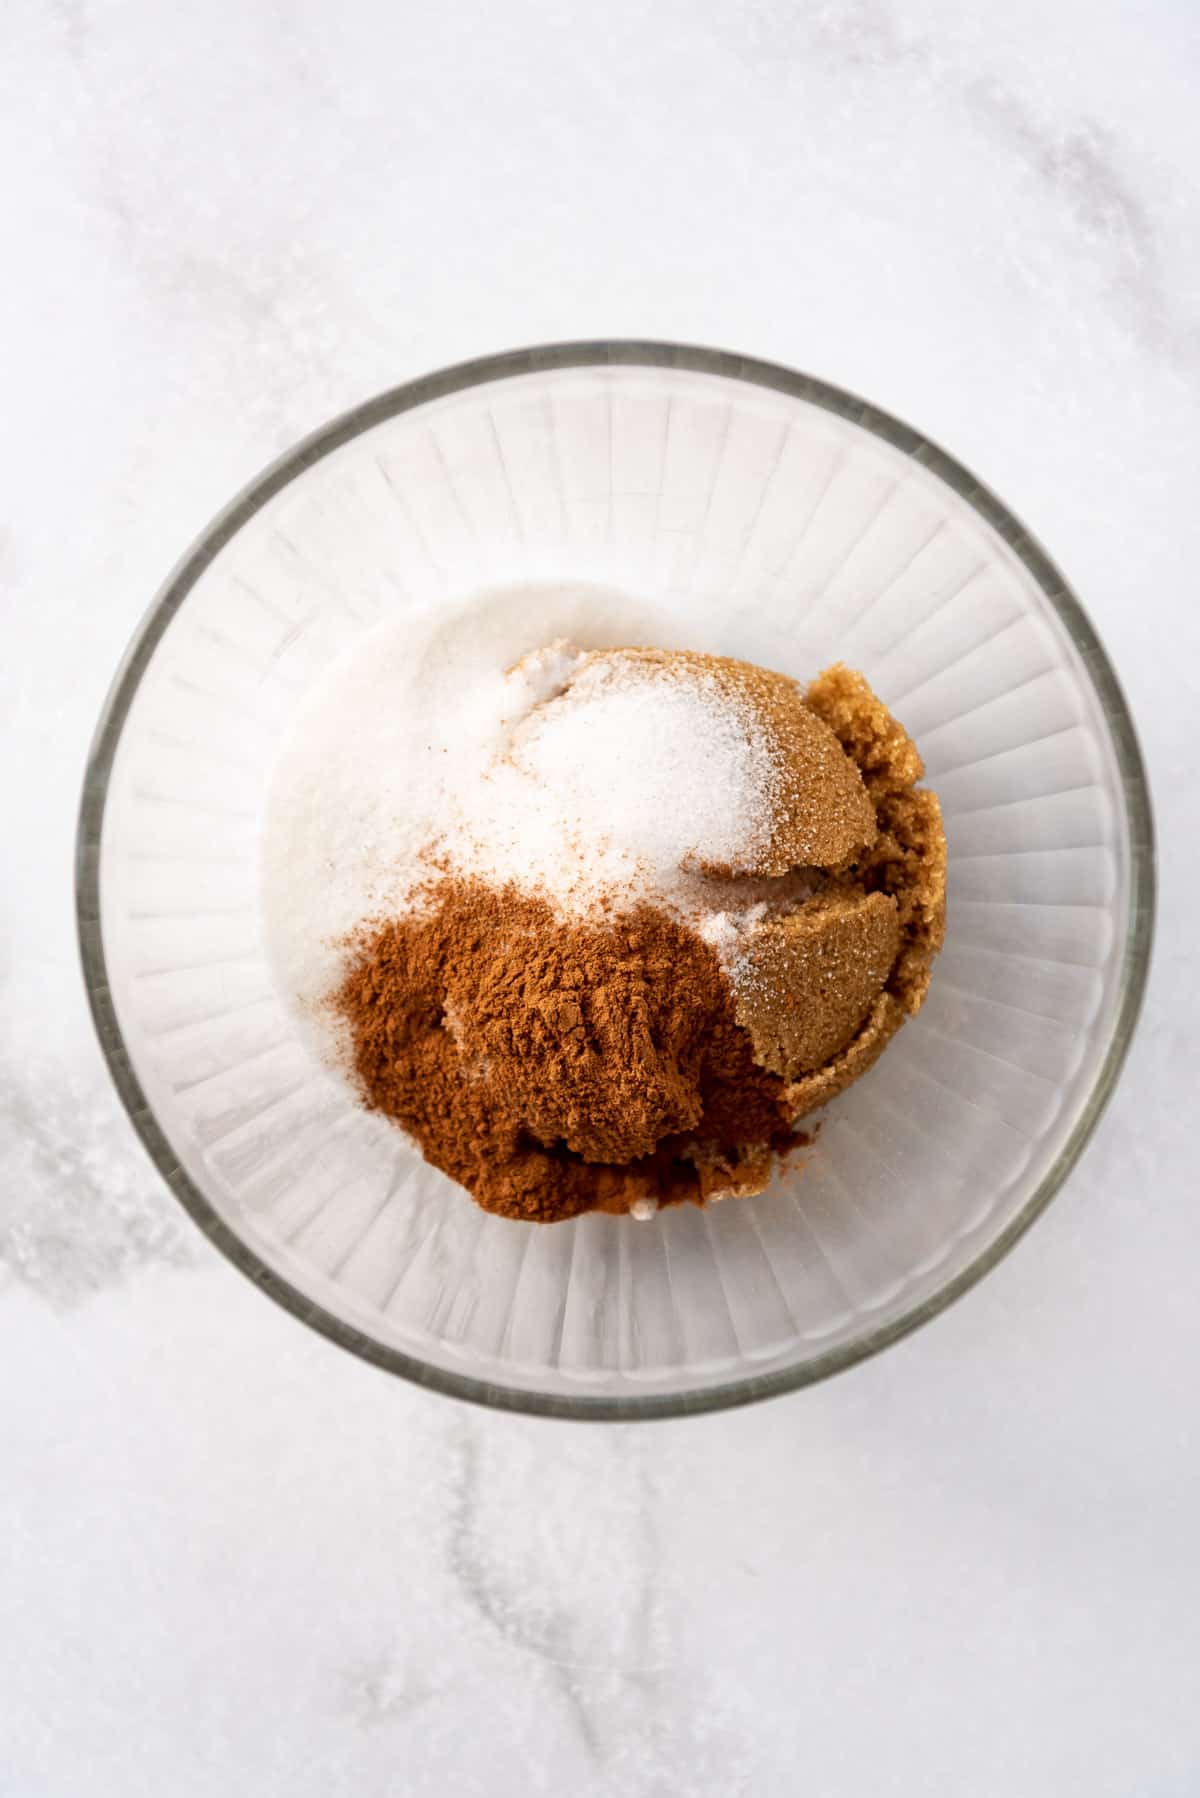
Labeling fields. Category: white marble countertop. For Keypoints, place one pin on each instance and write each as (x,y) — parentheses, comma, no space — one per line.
(232,1558)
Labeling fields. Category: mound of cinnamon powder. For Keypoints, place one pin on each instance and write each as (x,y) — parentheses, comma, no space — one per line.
(555,1065)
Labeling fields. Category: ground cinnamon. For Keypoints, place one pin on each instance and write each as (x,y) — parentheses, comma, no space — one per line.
(555,1066)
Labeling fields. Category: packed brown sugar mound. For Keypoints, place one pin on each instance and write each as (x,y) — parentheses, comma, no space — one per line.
(663,1041)
(905,865)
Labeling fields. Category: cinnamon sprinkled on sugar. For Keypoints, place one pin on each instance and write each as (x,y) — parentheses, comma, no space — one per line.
(632,915)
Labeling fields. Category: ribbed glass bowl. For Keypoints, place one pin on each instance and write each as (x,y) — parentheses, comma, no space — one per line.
(814,528)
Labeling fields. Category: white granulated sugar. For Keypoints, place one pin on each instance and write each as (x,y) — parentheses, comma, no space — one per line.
(728,931)
(649,772)
(470,745)
(622,782)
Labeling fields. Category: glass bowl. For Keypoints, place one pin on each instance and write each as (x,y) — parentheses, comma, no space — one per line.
(824,530)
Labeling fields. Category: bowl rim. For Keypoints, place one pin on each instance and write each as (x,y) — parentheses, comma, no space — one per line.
(480,371)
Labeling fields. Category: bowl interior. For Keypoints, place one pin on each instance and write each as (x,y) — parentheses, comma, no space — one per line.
(735,509)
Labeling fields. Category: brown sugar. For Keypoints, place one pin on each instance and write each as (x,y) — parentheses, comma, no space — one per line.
(907,860)
(906,863)
(810,978)
(880,748)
